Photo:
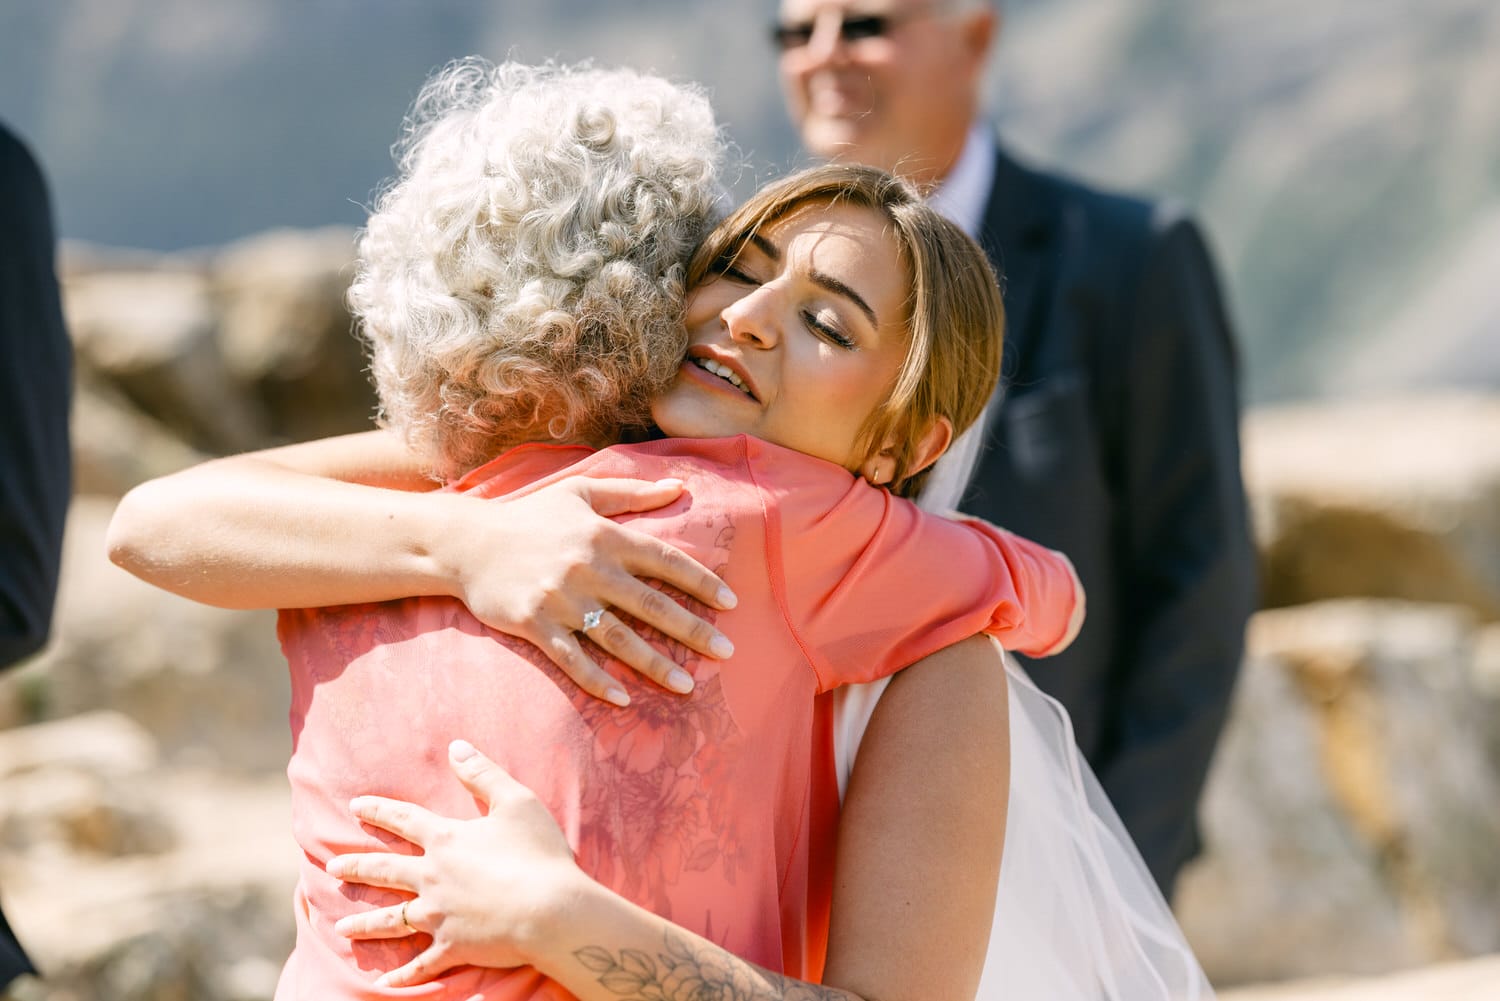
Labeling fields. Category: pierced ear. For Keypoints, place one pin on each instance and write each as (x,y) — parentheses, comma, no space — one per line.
(879,468)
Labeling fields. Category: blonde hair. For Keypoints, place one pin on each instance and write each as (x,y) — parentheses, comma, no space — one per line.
(523,277)
(953,313)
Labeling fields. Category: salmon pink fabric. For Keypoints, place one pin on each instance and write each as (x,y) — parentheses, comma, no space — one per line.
(715,810)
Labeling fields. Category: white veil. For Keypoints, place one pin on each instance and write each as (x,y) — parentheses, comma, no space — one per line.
(1077,915)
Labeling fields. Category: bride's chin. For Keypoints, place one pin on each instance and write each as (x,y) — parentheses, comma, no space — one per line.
(693,419)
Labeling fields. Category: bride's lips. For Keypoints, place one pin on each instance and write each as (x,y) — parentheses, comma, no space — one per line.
(705,352)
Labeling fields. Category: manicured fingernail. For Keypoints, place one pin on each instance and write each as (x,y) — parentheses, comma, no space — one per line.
(726,598)
(461,750)
(720,646)
(617,696)
(670,481)
(679,681)
(342,926)
(335,868)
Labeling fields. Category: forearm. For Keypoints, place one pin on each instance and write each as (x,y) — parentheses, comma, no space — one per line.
(605,948)
(275,529)
(353,519)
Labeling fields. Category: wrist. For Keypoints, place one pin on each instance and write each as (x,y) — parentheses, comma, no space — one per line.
(439,546)
(562,922)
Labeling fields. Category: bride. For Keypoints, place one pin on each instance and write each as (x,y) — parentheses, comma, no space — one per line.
(917,845)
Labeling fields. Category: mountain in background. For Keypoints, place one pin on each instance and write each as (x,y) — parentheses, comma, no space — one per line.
(1344,154)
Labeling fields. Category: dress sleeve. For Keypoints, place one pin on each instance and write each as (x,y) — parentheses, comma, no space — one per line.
(870,584)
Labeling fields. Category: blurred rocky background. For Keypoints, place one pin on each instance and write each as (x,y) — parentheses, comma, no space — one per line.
(1346,158)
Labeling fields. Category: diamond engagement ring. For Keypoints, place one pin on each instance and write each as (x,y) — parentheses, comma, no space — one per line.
(592,619)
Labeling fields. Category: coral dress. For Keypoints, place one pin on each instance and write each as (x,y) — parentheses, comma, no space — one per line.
(716,810)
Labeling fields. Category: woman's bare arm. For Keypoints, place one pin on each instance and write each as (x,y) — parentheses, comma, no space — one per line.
(922,829)
(353,519)
(920,849)
(326,522)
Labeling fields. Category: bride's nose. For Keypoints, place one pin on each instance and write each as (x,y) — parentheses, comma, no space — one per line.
(753,319)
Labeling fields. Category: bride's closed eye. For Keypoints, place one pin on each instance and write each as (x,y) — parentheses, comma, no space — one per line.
(827,330)
(731,267)
(738,275)
(822,322)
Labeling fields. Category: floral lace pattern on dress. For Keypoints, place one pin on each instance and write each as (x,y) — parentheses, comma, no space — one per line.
(656,795)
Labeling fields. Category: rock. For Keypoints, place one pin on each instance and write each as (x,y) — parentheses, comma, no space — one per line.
(1487,661)
(116,446)
(20,697)
(188,946)
(61,784)
(287,335)
(1472,980)
(1352,812)
(209,684)
(1391,499)
(77,812)
(153,334)
(208,919)
(247,347)
(131,879)
(106,743)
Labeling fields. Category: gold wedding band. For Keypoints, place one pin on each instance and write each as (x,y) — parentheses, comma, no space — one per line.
(405,922)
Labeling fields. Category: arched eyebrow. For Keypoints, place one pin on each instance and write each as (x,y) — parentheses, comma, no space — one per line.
(766,247)
(821,278)
(837,287)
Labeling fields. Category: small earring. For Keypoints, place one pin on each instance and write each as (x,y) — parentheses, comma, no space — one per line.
(879,470)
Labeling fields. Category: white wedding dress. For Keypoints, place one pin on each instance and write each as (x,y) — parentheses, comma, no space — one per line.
(1077,915)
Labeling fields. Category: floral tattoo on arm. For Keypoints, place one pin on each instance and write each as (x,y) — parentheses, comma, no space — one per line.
(688,971)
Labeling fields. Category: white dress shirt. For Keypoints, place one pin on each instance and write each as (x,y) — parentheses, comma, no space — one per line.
(965,192)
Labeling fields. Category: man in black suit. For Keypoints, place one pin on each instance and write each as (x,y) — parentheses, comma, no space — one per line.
(1114,434)
(35,470)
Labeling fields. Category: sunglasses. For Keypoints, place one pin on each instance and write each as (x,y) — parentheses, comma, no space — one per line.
(789,35)
(796,34)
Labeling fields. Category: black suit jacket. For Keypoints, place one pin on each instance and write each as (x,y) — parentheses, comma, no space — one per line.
(35,386)
(1116,441)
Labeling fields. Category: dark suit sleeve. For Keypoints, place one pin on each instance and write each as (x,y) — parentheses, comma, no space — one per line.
(1186,560)
(35,384)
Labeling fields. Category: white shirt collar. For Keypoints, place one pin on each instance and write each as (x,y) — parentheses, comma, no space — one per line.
(965,192)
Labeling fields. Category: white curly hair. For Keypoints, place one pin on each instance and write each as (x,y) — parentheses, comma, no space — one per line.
(522,278)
